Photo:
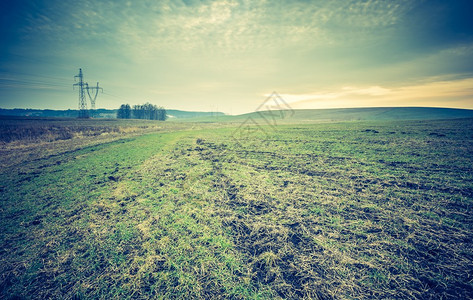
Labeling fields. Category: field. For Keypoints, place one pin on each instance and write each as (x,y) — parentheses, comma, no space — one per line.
(334,210)
(32,138)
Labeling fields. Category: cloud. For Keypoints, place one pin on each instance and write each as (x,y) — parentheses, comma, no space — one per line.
(369,91)
(452,93)
(342,92)
(198,19)
(437,89)
(236,50)
(143,29)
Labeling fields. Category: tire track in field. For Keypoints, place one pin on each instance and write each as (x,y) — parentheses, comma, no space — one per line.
(291,255)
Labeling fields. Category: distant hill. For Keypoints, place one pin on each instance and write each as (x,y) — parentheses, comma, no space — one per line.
(38,112)
(350,114)
(383,113)
(181,114)
(99,113)
(298,115)
(373,113)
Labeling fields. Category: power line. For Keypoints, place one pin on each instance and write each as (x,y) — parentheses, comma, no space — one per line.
(46,61)
(28,80)
(34,84)
(28,75)
(118,97)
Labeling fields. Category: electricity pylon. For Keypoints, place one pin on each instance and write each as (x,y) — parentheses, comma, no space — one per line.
(83,112)
(92,100)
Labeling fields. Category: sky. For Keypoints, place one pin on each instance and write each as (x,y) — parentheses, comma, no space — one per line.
(228,56)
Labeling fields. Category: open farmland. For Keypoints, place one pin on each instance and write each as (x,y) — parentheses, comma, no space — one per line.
(32,138)
(362,209)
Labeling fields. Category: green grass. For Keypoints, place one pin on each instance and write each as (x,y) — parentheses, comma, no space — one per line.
(370,209)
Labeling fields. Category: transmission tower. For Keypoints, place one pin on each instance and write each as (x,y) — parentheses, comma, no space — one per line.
(83,113)
(92,100)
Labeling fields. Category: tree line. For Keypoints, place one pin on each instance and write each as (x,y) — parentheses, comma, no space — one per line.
(145,111)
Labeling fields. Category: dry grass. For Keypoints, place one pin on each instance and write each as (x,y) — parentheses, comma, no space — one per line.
(325,211)
(24,131)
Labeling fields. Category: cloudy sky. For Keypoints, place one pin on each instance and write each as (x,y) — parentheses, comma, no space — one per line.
(228,55)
